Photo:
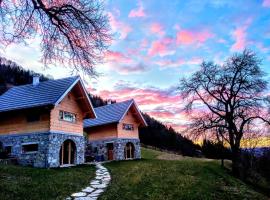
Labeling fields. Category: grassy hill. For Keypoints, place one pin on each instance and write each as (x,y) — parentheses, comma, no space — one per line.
(184,178)
(158,176)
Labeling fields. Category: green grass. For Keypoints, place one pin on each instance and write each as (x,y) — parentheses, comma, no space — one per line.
(148,179)
(18,182)
(154,179)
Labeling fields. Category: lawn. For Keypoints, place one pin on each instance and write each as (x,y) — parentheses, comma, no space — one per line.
(187,178)
(18,182)
(156,177)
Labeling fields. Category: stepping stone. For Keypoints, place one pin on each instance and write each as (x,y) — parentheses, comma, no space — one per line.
(95,182)
(100,186)
(98,191)
(83,198)
(92,198)
(79,194)
(97,185)
(88,189)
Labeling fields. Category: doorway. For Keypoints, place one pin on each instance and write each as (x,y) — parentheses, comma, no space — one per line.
(129,151)
(67,153)
(110,151)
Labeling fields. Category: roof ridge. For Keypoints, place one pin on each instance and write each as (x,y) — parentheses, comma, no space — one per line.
(114,104)
(16,86)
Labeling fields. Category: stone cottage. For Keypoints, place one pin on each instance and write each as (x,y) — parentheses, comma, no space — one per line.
(41,124)
(113,134)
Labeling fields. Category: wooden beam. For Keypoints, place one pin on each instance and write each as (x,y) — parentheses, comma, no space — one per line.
(69,153)
(62,153)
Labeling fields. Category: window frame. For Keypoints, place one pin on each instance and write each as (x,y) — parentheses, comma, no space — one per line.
(128,127)
(6,147)
(31,151)
(62,116)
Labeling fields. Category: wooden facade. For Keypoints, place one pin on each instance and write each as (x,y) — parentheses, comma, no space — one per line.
(16,122)
(116,130)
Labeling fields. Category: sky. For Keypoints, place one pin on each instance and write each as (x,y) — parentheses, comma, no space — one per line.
(158,42)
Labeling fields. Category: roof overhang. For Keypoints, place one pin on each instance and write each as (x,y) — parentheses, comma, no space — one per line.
(138,113)
(85,98)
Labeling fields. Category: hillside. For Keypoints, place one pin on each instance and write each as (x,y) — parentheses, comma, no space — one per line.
(155,178)
(12,74)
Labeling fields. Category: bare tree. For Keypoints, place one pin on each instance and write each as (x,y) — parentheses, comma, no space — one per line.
(73,33)
(231,97)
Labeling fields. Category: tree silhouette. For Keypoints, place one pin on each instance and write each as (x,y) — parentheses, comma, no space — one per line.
(72,33)
(231,97)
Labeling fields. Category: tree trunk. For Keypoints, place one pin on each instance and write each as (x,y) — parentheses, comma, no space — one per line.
(222,162)
(236,164)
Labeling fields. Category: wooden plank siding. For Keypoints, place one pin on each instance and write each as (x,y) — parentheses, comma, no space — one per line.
(68,104)
(115,130)
(129,118)
(102,132)
(16,122)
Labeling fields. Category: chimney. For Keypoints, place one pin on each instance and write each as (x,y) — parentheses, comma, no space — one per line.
(35,79)
(109,101)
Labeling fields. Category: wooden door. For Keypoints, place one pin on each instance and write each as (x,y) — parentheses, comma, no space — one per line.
(110,151)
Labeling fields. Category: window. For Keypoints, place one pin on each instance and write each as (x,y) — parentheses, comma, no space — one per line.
(128,127)
(33,117)
(26,148)
(67,116)
(8,149)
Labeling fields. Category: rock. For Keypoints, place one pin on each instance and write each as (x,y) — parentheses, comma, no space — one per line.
(100,186)
(79,194)
(88,189)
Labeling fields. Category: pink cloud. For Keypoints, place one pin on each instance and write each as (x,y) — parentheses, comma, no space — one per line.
(130,69)
(163,104)
(139,12)
(239,36)
(266,3)
(178,63)
(161,47)
(118,26)
(157,28)
(187,37)
(117,57)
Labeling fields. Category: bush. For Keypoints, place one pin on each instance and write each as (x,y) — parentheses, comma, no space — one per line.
(3,153)
(215,150)
(255,168)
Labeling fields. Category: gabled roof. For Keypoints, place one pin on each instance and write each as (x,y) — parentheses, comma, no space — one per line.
(44,94)
(112,113)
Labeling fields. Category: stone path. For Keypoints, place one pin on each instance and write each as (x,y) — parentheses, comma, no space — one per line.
(96,187)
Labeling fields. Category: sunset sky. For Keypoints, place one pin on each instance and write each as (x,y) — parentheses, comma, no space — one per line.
(158,42)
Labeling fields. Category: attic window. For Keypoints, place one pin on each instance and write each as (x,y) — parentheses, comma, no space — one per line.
(67,116)
(128,127)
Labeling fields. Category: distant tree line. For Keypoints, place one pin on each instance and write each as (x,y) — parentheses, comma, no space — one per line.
(158,135)
(97,101)
(215,150)
(11,74)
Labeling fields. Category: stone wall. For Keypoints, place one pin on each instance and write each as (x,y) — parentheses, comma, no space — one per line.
(49,144)
(99,148)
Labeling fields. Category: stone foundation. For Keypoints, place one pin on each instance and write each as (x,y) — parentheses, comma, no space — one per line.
(99,148)
(49,144)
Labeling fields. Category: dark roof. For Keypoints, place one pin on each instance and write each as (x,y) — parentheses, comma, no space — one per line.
(28,96)
(108,114)
(112,113)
